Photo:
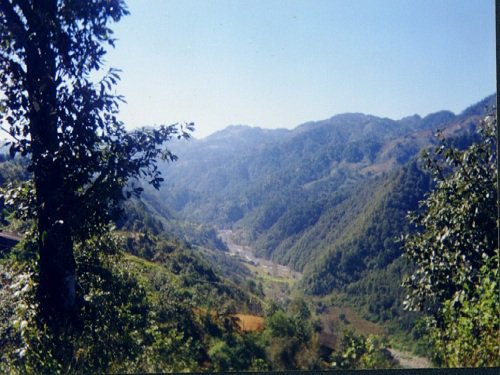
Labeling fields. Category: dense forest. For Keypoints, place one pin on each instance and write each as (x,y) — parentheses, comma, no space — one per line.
(347,243)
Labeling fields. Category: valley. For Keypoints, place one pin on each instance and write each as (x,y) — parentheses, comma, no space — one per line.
(316,212)
(318,206)
(248,187)
(282,243)
(261,266)
(276,280)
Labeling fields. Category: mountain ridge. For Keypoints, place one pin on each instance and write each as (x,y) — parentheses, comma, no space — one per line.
(294,194)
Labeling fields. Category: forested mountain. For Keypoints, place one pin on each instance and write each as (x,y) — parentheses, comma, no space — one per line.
(328,198)
(291,193)
(364,260)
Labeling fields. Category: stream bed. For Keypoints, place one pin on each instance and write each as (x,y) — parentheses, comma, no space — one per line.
(247,254)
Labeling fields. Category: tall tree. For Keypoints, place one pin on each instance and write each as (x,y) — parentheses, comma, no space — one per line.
(82,158)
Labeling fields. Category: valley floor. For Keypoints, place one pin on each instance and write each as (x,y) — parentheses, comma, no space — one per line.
(279,278)
(409,360)
(247,254)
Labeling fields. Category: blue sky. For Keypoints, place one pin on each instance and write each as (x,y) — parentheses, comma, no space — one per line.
(279,63)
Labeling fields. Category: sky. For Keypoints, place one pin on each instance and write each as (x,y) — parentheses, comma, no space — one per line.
(280,63)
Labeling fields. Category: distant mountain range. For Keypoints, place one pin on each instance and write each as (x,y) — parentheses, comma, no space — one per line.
(327,198)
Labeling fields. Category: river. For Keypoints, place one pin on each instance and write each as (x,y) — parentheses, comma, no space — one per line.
(247,254)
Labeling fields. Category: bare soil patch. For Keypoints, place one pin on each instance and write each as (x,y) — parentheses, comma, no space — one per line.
(250,323)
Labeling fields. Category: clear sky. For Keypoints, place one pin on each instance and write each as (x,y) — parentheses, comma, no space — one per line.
(279,63)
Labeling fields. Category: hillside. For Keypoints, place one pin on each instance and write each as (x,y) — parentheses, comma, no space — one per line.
(266,250)
(153,302)
(290,193)
(328,198)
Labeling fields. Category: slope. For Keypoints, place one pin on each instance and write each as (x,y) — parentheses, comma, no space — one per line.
(283,190)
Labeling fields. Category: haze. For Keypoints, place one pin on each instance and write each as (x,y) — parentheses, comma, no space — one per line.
(279,63)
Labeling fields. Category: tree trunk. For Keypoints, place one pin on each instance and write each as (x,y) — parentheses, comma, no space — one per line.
(57,270)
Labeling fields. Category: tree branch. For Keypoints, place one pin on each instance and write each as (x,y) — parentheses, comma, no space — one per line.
(25,7)
(15,65)
(14,23)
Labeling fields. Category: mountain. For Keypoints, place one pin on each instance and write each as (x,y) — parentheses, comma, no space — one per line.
(327,198)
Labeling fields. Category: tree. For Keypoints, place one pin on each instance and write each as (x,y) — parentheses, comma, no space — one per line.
(81,156)
(455,251)
(359,352)
(290,339)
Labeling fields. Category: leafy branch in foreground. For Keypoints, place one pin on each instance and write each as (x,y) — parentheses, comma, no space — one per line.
(455,250)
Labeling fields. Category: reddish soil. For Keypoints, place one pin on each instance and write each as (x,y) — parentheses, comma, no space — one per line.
(250,323)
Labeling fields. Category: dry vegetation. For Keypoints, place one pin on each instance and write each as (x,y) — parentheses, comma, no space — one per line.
(338,319)
(250,323)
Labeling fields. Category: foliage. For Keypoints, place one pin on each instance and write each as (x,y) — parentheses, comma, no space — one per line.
(179,329)
(471,324)
(13,170)
(378,296)
(238,352)
(175,334)
(289,337)
(456,254)
(136,315)
(456,222)
(151,215)
(80,154)
(112,323)
(360,352)
(14,284)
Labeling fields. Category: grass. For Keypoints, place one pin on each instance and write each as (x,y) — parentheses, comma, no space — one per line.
(338,319)
(360,325)
(263,275)
(275,287)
